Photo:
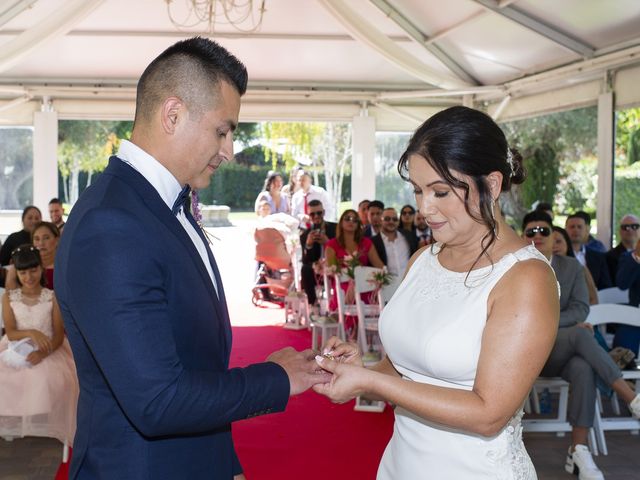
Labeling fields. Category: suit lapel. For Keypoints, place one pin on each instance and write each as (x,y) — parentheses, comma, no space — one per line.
(221,301)
(156,205)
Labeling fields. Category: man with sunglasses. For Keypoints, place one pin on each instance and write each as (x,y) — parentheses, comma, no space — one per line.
(394,246)
(629,235)
(588,250)
(312,241)
(628,277)
(576,355)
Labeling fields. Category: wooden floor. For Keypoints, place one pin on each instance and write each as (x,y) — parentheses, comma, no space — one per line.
(38,458)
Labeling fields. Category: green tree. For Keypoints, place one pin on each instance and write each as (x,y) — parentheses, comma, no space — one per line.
(84,147)
(16,167)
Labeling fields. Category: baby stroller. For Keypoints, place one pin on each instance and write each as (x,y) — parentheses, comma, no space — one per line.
(274,248)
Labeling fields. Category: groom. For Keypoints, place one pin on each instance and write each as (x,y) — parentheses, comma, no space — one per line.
(142,299)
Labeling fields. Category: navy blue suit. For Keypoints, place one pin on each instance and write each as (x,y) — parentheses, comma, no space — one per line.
(597,265)
(151,340)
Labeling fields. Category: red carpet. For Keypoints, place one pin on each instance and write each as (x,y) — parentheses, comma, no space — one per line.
(313,439)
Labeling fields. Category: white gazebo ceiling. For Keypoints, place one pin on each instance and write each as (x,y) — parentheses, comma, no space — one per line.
(326,59)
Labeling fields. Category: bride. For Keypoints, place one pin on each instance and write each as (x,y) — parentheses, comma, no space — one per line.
(473,322)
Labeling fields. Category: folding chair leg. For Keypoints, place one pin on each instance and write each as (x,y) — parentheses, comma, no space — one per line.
(65,452)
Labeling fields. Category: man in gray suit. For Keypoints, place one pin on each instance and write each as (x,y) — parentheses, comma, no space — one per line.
(576,356)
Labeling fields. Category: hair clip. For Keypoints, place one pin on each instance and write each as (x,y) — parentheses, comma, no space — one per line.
(510,162)
(30,248)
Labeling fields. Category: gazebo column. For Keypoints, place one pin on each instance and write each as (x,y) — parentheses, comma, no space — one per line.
(363,172)
(45,159)
(606,132)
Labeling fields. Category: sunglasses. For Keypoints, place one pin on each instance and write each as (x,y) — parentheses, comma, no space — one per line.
(316,214)
(349,218)
(390,219)
(407,212)
(531,232)
(630,226)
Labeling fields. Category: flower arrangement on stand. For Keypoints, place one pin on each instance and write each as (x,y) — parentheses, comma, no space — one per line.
(380,278)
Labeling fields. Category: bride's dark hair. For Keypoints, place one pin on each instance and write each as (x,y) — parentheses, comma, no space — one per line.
(469,142)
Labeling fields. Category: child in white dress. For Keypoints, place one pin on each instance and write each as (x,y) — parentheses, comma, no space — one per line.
(39,385)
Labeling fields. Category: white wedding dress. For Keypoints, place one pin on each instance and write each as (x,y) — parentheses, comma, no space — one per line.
(432,331)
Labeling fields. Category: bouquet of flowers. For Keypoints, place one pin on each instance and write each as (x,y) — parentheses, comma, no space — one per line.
(321,267)
(349,264)
(380,278)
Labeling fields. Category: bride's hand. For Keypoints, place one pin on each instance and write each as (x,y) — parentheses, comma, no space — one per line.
(343,352)
(347,381)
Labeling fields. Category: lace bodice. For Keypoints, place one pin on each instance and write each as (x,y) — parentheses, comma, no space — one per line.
(33,313)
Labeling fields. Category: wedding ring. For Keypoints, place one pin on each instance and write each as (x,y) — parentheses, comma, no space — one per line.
(328,356)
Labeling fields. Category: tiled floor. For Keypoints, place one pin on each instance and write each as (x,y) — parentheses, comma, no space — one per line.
(38,458)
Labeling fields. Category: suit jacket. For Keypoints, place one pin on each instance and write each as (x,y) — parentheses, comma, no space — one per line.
(574,295)
(313,254)
(411,239)
(151,341)
(628,277)
(597,265)
(612,257)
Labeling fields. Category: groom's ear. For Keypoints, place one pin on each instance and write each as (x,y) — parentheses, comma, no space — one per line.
(171,113)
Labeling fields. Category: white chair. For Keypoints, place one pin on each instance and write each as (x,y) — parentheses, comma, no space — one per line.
(613,295)
(602,314)
(387,291)
(558,424)
(368,314)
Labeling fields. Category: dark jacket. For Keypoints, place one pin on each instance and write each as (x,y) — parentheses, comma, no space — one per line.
(597,265)
(613,256)
(412,240)
(314,253)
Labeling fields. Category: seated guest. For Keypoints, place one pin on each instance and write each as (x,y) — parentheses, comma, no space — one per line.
(562,246)
(629,234)
(545,207)
(350,241)
(394,246)
(374,215)
(590,241)
(30,217)
(407,219)
(628,277)
(56,211)
(278,201)
(313,241)
(308,191)
(39,385)
(577,226)
(363,208)
(45,238)
(423,232)
(576,356)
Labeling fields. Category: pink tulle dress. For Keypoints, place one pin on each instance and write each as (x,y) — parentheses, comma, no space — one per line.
(39,400)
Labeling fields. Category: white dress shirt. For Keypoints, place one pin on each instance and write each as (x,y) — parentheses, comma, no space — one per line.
(580,256)
(397,253)
(315,193)
(168,188)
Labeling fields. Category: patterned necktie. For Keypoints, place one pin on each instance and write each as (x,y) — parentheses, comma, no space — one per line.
(182,198)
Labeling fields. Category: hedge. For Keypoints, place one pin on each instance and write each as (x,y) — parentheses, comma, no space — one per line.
(237,186)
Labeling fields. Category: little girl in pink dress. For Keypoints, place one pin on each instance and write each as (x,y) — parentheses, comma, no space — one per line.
(39,387)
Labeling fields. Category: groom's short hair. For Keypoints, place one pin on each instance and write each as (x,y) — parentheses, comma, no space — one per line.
(191,70)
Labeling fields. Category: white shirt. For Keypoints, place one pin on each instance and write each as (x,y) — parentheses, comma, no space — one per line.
(580,256)
(168,188)
(397,253)
(315,193)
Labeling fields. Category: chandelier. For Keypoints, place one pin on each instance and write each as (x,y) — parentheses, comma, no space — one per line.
(243,15)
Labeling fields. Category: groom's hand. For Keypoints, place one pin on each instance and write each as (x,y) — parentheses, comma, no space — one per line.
(301,367)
